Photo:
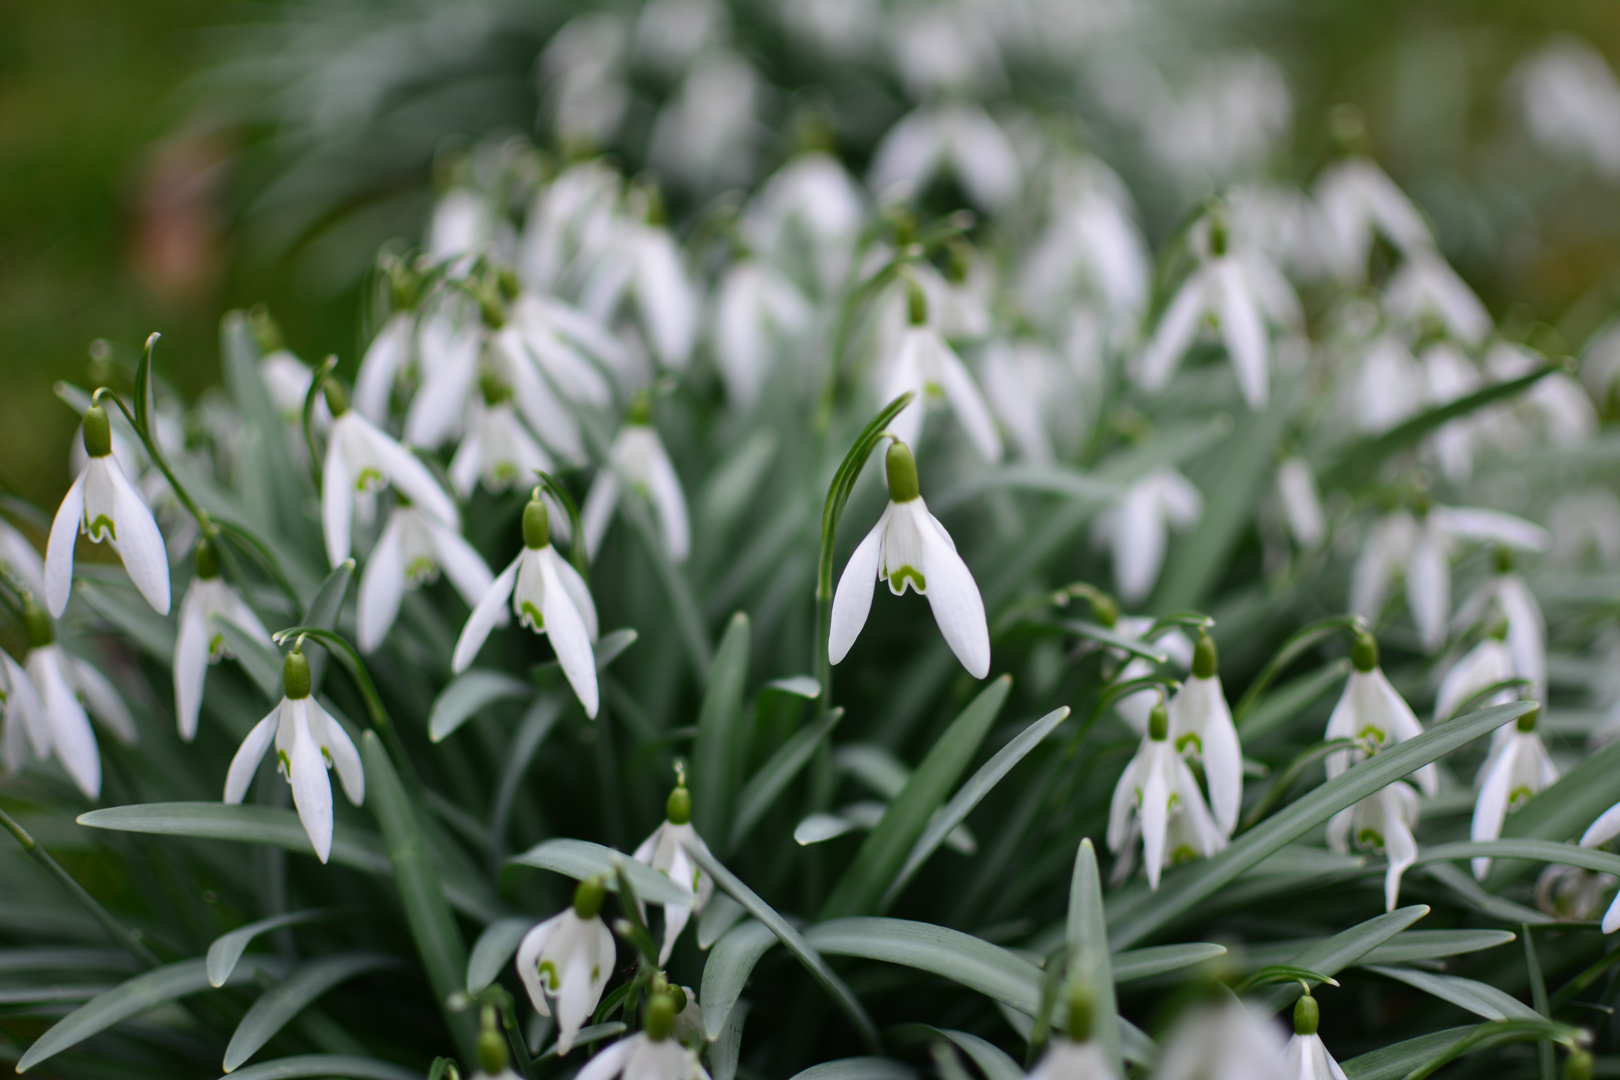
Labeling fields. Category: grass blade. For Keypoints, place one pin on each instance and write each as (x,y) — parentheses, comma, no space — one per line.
(1341,950)
(317,1065)
(227,949)
(1087,941)
(277,1006)
(466,694)
(713,771)
(1479,998)
(581,859)
(765,786)
(492,950)
(939,950)
(727,969)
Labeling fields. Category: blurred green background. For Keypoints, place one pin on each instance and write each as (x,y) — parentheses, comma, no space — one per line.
(124,180)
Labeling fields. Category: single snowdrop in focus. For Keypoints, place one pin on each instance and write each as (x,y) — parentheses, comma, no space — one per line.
(908,547)
(411,550)
(1307,1058)
(549,597)
(200,642)
(22,714)
(1201,729)
(103,505)
(1373,715)
(926,366)
(1223,1040)
(566,961)
(360,461)
(308,741)
(666,851)
(1426,289)
(1361,203)
(1384,822)
(1516,769)
(653,1053)
(1158,797)
(638,461)
(959,137)
(1138,529)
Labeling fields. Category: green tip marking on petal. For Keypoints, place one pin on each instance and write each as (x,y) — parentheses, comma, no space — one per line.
(101,529)
(898,579)
(531,616)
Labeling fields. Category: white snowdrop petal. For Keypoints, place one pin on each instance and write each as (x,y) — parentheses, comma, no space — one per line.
(580,594)
(597,513)
(24,708)
(608,1063)
(191,652)
(852,600)
(1604,829)
(529,952)
(490,613)
(71,737)
(568,633)
(382,587)
(345,758)
(337,500)
(954,597)
(102,700)
(1177,328)
(140,543)
(312,789)
(460,561)
(664,486)
(246,762)
(59,549)
(1243,331)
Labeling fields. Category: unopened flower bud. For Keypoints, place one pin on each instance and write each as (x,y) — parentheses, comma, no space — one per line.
(295,678)
(1159,723)
(1106,608)
(37,625)
(1206,662)
(1307,1015)
(1504,560)
(1578,1066)
(1364,653)
(640,414)
(902,470)
(679,807)
(97,432)
(493,389)
(659,1018)
(588,897)
(536,525)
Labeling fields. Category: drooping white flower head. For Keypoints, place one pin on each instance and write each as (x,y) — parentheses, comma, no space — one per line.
(1571,102)
(1574,894)
(1301,502)
(1507,596)
(411,550)
(22,712)
(959,136)
(908,547)
(568,347)
(308,741)
(1307,1058)
(806,219)
(20,561)
(653,1053)
(1201,728)
(638,460)
(574,220)
(755,310)
(1223,1040)
(566,961)
(1138,529)
(1373,714)
(463,224)
(1448,376)
(549,597)
(1384,821)
(497,448)
(1388,387)
(706,133)
(582,79)
(1427,288)
(448,345)
(200,642)
(1516,768)
(643,264)
(360,460)
(1158,797)
(287,380)
(1360,202)
(386,359)
(926,366)
(1091,244)
(1483,666)
(1175,644)
(103,505)
(1600,832)
(666,851)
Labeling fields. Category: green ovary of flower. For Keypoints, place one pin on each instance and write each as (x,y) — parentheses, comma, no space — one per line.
(421,569)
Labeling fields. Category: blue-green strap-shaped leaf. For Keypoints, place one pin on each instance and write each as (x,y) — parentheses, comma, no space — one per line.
(881,855)
(492,950)
(1137,964)
(858,1068)
(145,991)
(1182,892)
(773,777)
(1086,936)
(719,915)
(421,893)
(727,1049)
(939,950)
(466,694)
(277,1006)
(991,1059)
(227,949)
(317,1065)
(327,603)
(971,794)
(1028,476)
(731,961)
(1545,851)
(260,661)
(795,943)
(1410,945)
(581,859)
(1479,998)
(719,719)
(1338,952)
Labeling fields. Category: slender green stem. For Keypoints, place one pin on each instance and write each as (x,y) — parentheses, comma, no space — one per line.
(158,459)
(315,385)
(576,550)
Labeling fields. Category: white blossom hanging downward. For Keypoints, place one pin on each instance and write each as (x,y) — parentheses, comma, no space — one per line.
(566,961)
(638,460)
(1307,1058)
(1158,797)
(929,368)
(653,1053)
(909,547)
(1516,769)
(1138,529)
(70,692)
(1201,729)
(666,851)
(200,641)
(411,551)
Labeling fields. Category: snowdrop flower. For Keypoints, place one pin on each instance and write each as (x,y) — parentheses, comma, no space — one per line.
(958,135)
(386,359)
(1373,714)
(1571,102)
(1359,201)
(1307,1058)
(665,851)
(308,743)
(1158,795)
(1600,832)
(1389,386)
(810,208)
(22,711)
(650,1054)
(1237,291)
(1301,502)
(1425,287)
(569,959)
(1201,729)
(1484,666)
(567,345)
(638,460)
(1584,524)
(925,365)
(103,505)
(20,561)
(1573,894)
(411,551)
(1515,770)
(71,691)
(1525,627)
(582,79)
(1556,405)
(497,448)
(1091,240)
(1138,528)
(1071,1055)
(707,131)
(1384,821)
(573,222)
(1449,376)
(200,642)
(449,343)
(360,460)
(549,597)
(1223,1041)
(1224,122)
(644,263)
(463,224)
(1135,708)
(908,547)
(1026,387)
(287,380)
(754,308)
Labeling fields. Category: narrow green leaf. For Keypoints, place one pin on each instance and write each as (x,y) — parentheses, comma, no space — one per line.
(1028,476)
(883,852)
(1399,1059)
(1087,939)
(773,777)
(858,1068)
(727,1049)
(719,915)
(260,661)
(1538,999)
(328,603)
(1292,698)
(581,859)
(467,693)
(1136,964)
(727,970)
(1113,640)
(589,1034)
(612,646)
(971,794)
(1537,850)
(492,950)
(427,912)
(53,959)
(939,950)
(1186,890)
(719,720)
(145,991)
(227,949)
(320,1065)
(1479,998)
(1341,950)
(1410,945)
(794,942)
(129,614)
(277,1006)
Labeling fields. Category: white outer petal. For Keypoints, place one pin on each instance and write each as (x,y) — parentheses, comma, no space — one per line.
(1428,588)
(25,709)
(345,758)
(1177,328)
(71,736)
(668,500)
(140,544)
(580,594)
(490,613)
(337,500)
(968,404)
(566,629)
(1491,807)
(1243,331)
(384,358)
(1154,809)
(852,600)
(312,789)
(611,1062)
(190,660)
(460,562)
(953,595)
(249,754)
(382,587)
(1139,541)
(1604,829)
(528,960)
(410,476)
(102,700)
(59,549)
(597,512)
